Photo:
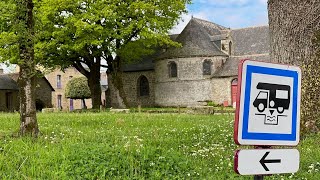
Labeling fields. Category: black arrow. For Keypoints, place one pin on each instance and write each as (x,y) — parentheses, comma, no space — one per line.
(263,161)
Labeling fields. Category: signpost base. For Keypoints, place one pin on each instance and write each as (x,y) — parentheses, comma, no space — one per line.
(258,177)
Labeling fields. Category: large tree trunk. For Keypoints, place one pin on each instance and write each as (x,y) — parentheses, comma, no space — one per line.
(28,118)
(95,89)
(293,24)
(27,75)
(116,92)
(115,84)
(94,85)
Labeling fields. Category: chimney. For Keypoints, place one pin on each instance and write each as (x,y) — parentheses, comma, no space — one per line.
(1,71)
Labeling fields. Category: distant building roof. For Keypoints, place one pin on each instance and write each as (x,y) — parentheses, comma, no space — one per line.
(201,38)
(230,67)
(195,40)
(146,64)
(15,76)
(211,28)
(250,41)
(7,83)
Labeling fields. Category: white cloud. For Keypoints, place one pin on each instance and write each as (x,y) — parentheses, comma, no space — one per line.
(263,1)
(227,13)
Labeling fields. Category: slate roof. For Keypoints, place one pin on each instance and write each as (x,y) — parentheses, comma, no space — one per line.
(210,27)
(230,67)
(146,64)
(7,83)
(250,41)
(198,39)
(195,41)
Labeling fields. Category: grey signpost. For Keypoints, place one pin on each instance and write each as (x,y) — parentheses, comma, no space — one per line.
(267,114)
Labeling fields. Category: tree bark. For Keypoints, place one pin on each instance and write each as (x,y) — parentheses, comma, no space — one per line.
(93,77)
(116,92)
(95,89)
(94,83)
(28,118)
(115,84)
(27,74)
(293,25)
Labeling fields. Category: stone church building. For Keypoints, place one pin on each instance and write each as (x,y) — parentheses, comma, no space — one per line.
(204,69)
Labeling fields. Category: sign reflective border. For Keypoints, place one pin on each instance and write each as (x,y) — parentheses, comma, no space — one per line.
(266,161)
(268,104)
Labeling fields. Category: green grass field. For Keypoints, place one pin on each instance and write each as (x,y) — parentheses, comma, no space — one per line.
(131,146)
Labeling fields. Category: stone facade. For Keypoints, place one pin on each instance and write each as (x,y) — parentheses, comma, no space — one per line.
(9,93)
(58,96)
(14,101)
(221,90)
(177,76)
(131,87)
(44,93)
(191,87)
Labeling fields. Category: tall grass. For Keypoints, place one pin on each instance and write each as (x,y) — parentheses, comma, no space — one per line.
(130,146)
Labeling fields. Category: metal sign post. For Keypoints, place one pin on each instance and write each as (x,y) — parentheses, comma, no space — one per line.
(267,114)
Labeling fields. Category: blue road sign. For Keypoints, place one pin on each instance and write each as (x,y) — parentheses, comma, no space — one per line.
(268,104)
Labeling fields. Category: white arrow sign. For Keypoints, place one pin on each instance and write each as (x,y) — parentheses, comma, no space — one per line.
(266,161)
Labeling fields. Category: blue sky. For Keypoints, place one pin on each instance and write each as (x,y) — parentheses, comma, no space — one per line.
(229,13)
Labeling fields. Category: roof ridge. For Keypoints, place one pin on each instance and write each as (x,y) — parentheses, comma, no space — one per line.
(250,27)
(203,20)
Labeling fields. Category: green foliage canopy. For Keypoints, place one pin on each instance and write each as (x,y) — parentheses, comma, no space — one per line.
(75,32)
(71,30)
(77,88)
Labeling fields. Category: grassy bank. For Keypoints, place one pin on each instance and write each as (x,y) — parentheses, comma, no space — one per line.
(130,146)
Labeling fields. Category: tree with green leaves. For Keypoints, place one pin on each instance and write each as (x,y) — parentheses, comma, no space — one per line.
(77,88)
(293,28)
(85,33)
(17,34)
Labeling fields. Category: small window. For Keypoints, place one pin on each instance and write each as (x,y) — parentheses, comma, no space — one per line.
(59,98)
(173,69)
(230,47)
(59,81)
(143,86)
(207,67)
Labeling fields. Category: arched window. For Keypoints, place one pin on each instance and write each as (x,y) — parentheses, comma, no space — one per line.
(172,69)
(206,67)
(143,86)
(230,48)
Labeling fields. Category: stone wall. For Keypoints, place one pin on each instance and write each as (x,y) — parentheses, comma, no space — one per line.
(221,90)
(3,101)
(183,93)
(65,77)
(131,88)
(190,88)
(44,92)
